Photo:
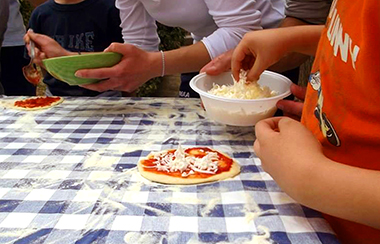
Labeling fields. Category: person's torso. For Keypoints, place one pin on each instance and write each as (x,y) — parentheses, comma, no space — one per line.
(15,28)
(341,106)
(310,11)
(196,17)
(83,27)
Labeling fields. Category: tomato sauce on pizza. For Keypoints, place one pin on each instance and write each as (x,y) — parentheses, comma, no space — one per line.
(37,102)
(196,162)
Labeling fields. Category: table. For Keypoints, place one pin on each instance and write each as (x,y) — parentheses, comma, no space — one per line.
(68,175)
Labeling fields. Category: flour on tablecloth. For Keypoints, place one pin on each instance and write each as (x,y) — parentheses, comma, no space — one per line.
(26,123)
(263,237)
(213,189)
(209,206)
(252,211)
(183,200)
(143,238)
(97,160)
(164,188)
(16,233)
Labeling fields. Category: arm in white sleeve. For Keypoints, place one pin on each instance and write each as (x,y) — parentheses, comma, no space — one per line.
(138,27)
(234,19)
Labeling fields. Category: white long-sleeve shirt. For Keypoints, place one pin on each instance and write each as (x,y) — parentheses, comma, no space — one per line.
(15,29)
(219,24)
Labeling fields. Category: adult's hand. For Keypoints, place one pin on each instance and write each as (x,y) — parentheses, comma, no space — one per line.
(293,109)
(219,65)
(45,47)
(135,68)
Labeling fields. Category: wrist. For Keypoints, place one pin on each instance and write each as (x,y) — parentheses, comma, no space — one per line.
(307,179)
(157,65)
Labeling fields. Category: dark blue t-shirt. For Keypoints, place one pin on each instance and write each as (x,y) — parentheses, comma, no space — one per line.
(89,26)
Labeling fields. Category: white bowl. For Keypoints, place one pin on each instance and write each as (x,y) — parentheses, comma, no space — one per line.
(240,112)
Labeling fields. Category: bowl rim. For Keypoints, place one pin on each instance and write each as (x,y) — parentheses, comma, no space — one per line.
(82,55)
(226,99)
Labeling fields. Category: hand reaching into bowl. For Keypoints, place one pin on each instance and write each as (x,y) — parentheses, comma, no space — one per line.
(258,50)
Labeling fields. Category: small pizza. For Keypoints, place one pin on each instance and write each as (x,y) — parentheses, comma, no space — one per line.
(37,103)
(188,166)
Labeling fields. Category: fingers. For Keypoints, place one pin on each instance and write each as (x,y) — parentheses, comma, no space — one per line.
(37,38)
(292,116)
(216,67)
(219,65)
(209,68)
(246,59)
(291,107)
(287,126)
(101,73)
(120,48)
(256,148)
(26,38)
(267,127)
(298,91)
(256,70)
(237,58)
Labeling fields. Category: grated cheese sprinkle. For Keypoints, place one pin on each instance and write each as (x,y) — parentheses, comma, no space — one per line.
(182,162)
(242,89)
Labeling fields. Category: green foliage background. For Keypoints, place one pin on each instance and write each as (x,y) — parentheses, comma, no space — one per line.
(171,38)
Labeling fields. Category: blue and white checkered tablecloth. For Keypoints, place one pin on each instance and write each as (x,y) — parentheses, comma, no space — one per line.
(68,175)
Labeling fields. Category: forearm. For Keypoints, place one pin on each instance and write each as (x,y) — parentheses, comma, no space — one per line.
(290,21)
(340,190)
(292,60)
(186,59)
(301,39)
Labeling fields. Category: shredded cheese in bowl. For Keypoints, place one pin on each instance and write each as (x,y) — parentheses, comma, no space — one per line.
(242,89)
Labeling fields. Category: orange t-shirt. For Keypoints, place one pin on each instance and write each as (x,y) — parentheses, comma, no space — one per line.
(342,106)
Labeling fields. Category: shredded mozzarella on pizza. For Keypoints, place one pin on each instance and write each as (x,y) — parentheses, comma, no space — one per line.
(187,164)
(242,89)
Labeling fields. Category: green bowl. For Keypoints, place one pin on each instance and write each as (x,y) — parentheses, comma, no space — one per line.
(64,68)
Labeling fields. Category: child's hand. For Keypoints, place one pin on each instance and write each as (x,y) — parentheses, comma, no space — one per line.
(257,51)
(288,151)
(260,49)
(46,47)
(293,109)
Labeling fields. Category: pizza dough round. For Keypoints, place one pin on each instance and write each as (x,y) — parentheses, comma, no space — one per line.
(160,177)
(12,105)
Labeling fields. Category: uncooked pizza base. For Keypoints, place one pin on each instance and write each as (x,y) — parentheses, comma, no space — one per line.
(36,108)
(167,179)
